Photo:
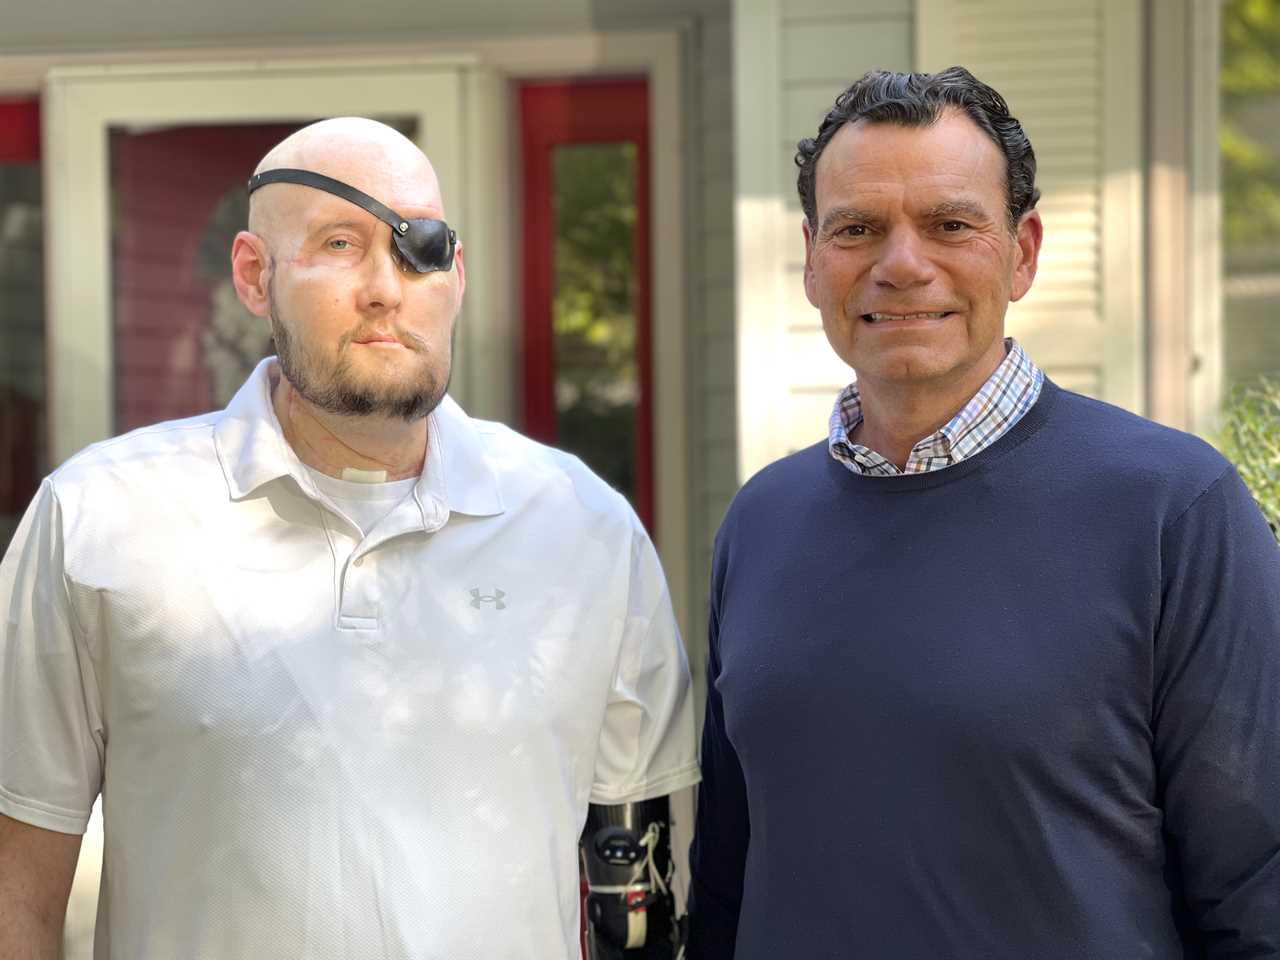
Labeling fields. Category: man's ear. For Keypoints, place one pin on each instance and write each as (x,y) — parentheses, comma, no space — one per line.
(810,287)
(1029,236)
(250,273)
(462,272)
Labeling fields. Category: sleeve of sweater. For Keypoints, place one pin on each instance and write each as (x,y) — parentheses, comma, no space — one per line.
(1216,718)
(717,857)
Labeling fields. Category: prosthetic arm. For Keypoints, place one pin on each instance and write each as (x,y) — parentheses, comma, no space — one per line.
(626,856)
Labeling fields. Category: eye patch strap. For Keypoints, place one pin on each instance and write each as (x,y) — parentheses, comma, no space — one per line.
(349,193)
(422,243)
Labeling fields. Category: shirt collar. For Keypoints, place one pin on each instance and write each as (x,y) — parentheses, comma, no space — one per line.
(457,469)
(253,451)
(1005,396)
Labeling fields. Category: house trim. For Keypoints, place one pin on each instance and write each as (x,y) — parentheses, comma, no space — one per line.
(759,217)
(1168,216)
(1206,218)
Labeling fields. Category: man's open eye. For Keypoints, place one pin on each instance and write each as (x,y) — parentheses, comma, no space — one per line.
(337,243)
(852,230)
(953,226)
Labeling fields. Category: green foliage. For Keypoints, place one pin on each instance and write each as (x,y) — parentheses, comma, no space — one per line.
(1251,41)
(1251,440)
(1250,80)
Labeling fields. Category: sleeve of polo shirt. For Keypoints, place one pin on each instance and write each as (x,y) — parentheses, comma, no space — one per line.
(647,744)
(1216,715)
(51,738)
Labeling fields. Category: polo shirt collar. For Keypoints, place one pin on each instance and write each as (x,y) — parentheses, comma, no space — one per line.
(252,449)
(457,470)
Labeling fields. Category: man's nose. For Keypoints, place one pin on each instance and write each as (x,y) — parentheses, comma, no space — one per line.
(383,277)
(903,260)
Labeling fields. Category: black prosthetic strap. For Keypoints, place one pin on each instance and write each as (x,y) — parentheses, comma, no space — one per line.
(626,855)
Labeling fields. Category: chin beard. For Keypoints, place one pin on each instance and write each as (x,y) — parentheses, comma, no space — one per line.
(337,391)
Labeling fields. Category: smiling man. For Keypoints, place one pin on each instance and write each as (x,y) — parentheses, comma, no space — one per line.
(994,670)
(348,668)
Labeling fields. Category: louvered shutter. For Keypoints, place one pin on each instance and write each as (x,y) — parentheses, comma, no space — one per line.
(1072,73)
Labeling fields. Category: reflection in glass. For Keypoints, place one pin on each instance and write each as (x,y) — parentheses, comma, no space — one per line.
(597,381)
(1249,140)
(22,427)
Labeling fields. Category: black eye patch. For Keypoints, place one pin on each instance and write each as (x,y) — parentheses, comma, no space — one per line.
(424,244)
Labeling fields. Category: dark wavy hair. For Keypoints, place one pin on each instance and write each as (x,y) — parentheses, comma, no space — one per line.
(917,100)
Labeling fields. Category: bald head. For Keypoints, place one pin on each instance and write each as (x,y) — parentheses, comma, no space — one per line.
(368,155)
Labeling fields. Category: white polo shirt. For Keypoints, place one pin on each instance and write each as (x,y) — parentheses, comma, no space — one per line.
(313,744)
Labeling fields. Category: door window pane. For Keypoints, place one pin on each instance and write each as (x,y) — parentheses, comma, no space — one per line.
(597,379)
(585,269)
(22,379)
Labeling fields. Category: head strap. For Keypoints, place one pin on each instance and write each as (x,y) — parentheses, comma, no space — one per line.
(339,189)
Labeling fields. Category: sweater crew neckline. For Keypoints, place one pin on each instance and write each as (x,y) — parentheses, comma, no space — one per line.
(1024,429)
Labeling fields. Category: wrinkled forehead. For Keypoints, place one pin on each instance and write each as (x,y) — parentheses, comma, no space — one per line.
(950,153)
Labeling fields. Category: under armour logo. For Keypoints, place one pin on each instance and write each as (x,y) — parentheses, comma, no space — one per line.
(477,598)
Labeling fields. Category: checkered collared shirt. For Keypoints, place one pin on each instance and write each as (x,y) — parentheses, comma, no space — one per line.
(997,406)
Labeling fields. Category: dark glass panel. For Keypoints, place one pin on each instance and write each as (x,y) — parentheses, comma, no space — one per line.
(597,380)
(22,373)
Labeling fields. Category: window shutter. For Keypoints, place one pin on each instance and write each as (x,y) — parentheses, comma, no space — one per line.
(1072,73)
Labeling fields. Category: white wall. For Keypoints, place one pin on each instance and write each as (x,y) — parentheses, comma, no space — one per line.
(794,57)
(826,45)
(713,433)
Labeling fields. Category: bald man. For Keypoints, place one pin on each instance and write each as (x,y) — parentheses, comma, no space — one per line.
(347,667)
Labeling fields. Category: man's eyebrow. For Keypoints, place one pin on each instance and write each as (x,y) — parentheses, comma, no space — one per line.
(328,225)
(839,215)
(957,208)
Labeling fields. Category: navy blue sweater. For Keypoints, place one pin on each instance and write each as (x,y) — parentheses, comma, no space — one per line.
(1025,707)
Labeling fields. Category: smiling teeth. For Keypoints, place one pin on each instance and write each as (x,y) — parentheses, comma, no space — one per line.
(876,317)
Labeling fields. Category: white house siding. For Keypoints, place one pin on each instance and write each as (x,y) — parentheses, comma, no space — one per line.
(796,56)
(826,45)
(713,433)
